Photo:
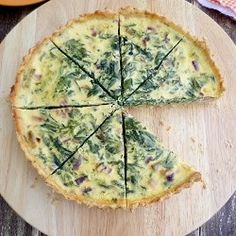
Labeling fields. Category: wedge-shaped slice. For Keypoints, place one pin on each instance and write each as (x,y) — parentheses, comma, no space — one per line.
(48,137)
(48,78)
(95,174)
(153,172)
(92,41)
(162,64)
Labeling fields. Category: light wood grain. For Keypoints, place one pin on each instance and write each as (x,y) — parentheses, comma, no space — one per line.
(211,125)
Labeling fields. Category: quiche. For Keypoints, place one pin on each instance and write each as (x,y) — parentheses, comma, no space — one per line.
(153,171)
(70,103)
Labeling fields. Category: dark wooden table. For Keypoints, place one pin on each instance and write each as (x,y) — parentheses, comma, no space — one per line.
(222,224)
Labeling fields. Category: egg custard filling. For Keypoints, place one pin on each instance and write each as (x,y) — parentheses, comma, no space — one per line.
(70,98)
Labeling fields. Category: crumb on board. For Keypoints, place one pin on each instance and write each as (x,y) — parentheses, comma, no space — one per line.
(7,100)
(216,105)
(35,181)
(53,197)
(161,123)
(204,184)
(200,146)
(228,144)
(192,139)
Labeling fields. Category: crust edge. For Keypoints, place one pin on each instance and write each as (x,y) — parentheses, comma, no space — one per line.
(195,177)
(83,17)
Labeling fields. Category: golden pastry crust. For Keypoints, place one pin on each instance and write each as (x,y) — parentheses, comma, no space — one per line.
(195,177)
(129,11)
(83,199)
(85,17)
(45,172)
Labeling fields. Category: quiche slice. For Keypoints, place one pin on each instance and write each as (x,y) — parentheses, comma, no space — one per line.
(153,171)
(48,78)
(92,42)
(48,136)
(95,175)
(162,64)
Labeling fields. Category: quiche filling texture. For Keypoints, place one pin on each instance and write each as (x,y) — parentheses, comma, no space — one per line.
(70,98)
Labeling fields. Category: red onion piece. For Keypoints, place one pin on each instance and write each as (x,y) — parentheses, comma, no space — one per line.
(94,33)
(195,65)
(148,159)
(170,177)
(103,168)
(76,164)
(87,190)
(81,179)
(150,29)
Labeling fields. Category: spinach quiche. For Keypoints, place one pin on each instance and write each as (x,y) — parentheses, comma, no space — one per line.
(71,100)
(164,174)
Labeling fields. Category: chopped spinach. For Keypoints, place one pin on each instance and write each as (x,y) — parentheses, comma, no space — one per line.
(105,36)
(57,143)
(76,49)
(169,161)
(94,148)
(117,184)
(103,185)
(134,179)
(56,160)
(94,90)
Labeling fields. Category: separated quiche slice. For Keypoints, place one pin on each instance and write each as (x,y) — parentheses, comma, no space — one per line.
(153,171)
(92,42)
(95,175)
(48,137)
(48,78)
(162,64)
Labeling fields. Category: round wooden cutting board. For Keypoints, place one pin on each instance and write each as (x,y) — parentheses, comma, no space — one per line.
(203,134)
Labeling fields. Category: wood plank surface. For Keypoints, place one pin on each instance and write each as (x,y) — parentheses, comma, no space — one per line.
(226,220)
